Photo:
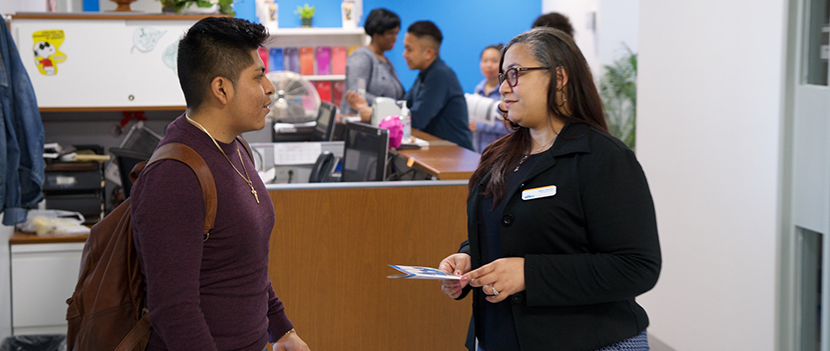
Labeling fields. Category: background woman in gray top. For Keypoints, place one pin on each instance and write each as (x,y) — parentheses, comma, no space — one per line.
(368,64)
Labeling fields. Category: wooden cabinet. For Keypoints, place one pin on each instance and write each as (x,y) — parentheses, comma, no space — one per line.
(328,263)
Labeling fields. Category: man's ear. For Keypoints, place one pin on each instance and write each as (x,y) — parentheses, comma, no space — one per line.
(222,89)
(561,78)
(434,52)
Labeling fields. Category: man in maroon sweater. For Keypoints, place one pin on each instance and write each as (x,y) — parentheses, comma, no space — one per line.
(212,294)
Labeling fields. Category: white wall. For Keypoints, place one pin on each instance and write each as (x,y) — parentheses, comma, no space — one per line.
(13,6)
(578,11)
(616,22)
(151,6)
(617,25)
(709,128)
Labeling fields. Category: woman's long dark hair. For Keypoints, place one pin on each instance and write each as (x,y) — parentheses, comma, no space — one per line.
(552,48)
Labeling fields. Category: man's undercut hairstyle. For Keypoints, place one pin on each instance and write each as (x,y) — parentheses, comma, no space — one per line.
(426,29)
(215,47)
(381,20)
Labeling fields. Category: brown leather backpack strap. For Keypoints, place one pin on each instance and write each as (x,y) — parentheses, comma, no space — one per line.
(140,331)
(136,170)
(186,155)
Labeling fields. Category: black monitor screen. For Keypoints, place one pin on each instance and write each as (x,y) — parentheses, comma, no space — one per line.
(325,122)
(364,155)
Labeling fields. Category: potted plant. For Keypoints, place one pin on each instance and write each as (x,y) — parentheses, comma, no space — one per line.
(220,6)
(123,5)
(618,90)
(306,14)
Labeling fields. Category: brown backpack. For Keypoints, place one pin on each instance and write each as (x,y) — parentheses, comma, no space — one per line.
(106,310)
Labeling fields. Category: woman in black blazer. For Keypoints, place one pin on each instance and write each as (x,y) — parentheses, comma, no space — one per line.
(562,234)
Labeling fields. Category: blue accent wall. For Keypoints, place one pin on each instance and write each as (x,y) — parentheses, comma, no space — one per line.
(468,26)
(91,5)
(246,9)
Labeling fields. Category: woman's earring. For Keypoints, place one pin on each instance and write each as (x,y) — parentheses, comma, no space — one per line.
(564,100)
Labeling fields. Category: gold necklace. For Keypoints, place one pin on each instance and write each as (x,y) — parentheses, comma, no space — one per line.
(524,158)
(246,179)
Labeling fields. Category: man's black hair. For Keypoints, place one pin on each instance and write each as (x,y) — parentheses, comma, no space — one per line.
(421,29)
(215,47)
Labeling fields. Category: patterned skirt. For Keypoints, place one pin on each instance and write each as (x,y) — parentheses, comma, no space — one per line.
(636,343)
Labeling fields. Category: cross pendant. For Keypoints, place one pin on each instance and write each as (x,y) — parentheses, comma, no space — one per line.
(255,195)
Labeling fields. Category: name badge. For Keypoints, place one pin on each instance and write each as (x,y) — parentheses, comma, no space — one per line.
(538,193)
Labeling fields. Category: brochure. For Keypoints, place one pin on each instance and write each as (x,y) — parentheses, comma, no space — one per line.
(415,272)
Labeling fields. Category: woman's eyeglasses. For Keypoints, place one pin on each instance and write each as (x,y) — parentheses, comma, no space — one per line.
(512,74)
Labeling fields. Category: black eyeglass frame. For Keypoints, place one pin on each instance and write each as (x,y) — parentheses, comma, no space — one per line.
(506,75)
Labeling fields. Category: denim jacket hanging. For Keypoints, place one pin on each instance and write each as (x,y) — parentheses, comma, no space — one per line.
(21,136)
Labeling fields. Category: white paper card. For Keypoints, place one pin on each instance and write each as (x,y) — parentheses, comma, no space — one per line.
(415,272)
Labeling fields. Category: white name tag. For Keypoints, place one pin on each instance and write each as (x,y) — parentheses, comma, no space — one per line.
(537,193)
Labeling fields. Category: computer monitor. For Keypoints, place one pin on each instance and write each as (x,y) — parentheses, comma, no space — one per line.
(364,154)
(325,122)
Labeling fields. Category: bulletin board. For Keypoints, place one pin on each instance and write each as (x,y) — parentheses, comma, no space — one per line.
(108,62)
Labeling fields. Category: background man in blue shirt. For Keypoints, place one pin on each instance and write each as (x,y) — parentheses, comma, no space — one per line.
(436,101)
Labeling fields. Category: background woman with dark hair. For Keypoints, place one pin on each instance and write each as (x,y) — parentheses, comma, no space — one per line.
(562,233)
(489,87)
(555,20)
(369,66)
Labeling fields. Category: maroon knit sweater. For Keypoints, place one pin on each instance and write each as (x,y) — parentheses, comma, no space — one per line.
(213,295)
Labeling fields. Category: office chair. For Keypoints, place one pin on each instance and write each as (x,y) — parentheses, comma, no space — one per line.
(126,159)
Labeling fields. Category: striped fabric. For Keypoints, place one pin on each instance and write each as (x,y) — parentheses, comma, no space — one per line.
(636,343)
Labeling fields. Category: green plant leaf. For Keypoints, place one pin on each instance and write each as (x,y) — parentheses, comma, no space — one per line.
(618,90)
(305,11)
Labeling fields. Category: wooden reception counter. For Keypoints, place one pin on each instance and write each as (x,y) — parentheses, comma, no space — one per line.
(330,249)
(442,159)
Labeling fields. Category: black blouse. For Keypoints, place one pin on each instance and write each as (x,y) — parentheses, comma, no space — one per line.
(495,320)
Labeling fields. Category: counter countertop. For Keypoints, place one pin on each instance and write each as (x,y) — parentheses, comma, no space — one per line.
(28,238)
(442,159)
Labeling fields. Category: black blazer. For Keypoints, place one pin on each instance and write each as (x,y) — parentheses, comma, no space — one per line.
(589,250)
